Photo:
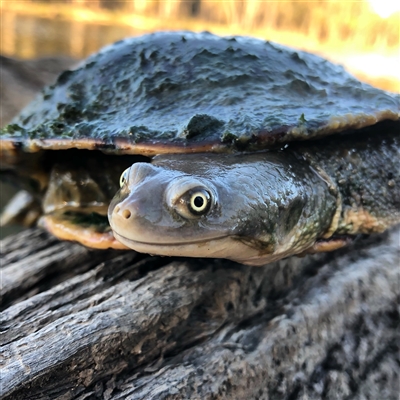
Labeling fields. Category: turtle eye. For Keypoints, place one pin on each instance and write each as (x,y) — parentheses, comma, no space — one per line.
(196,201)
(190,198)
(199,202)
(123,180)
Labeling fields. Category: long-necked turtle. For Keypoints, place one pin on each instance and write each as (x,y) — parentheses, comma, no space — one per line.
(262,151)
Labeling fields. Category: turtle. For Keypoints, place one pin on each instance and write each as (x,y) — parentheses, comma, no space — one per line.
(190,144)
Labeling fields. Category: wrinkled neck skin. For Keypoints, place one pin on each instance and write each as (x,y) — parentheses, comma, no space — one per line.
(263,207)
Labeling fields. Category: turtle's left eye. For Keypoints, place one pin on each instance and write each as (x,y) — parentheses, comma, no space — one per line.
(123,180)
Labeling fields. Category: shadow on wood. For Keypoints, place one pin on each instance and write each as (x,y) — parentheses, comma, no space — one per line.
(84,324)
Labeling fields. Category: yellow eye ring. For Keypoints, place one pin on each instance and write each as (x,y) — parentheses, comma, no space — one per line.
(199,202)
(124,177)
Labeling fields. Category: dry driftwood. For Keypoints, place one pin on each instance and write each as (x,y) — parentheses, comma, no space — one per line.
(82,324)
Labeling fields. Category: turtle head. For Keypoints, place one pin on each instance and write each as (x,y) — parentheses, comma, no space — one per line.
(253,211)
(168,212)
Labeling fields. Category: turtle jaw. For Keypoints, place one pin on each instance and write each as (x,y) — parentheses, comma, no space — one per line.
(229,247)
(188,249)
(222,247)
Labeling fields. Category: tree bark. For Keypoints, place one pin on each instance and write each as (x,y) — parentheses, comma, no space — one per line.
(84,324)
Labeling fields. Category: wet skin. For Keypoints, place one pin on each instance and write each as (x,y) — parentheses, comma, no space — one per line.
(257,208)
(249,208)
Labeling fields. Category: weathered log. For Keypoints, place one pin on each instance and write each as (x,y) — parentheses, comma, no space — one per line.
(83,324)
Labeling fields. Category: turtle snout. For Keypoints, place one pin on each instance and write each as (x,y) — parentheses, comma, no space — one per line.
(129,220)
(125,213)
(123,218)
(122,209)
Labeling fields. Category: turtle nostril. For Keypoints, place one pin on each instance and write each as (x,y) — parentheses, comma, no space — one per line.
(126,214)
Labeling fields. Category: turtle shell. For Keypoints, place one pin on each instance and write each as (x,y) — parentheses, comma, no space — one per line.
(195,92)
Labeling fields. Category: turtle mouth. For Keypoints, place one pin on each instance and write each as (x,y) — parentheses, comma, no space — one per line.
(132,243)
(217,247)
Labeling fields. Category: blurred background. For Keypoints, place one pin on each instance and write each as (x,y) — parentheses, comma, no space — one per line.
(39,39)
(362,35)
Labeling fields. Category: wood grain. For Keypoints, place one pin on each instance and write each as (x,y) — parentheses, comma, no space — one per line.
(83,324)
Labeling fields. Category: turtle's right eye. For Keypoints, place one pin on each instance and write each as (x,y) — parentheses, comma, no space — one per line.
(123,180)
